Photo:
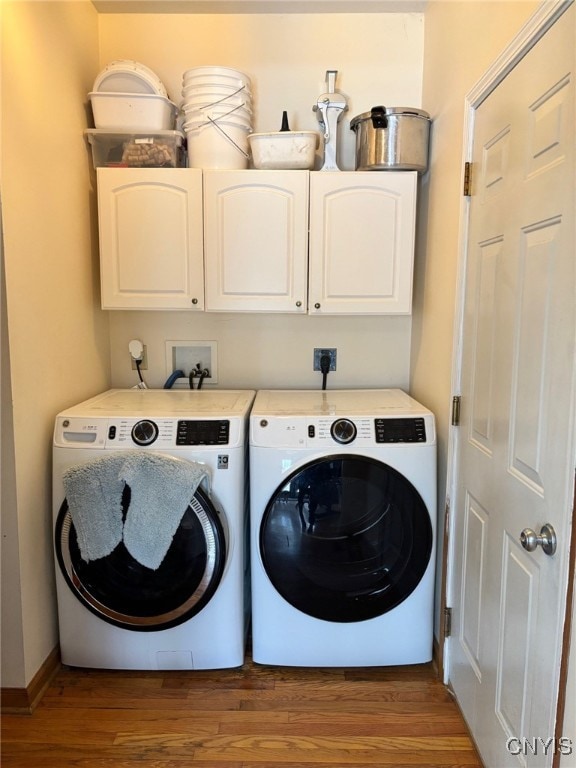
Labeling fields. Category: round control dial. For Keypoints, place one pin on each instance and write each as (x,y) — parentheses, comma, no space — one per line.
(343,431)
(144,432)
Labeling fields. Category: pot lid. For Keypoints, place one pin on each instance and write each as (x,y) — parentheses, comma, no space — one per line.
(127,76)
(389,111)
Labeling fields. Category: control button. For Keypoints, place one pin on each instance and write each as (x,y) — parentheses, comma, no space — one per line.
(112,433)
(311,430)
(144,432)
(343,431)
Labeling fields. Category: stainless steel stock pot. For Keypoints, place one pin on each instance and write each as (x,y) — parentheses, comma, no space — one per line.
(392,138)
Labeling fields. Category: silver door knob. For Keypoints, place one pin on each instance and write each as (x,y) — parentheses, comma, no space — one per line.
(547,539)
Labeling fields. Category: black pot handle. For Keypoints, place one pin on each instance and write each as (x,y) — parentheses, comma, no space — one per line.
(378,116)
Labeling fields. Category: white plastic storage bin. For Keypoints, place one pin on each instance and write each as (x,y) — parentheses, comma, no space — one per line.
(160,149)
(284,150)
(133,111)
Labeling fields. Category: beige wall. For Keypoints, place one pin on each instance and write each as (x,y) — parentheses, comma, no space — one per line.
(12,644)
(379,60)
(462,39)
(57,335)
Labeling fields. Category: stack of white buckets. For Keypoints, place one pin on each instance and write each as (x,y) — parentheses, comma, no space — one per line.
(217,107)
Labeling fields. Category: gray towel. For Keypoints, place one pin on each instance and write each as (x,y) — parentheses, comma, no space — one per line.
(161,487)
(94,496)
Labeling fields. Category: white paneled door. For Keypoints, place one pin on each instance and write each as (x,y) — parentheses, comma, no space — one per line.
(515,454)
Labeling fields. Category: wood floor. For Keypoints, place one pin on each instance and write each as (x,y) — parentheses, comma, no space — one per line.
(253,717)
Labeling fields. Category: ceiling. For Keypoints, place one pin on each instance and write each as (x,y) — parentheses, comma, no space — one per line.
(259,6)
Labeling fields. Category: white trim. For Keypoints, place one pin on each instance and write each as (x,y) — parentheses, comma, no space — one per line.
(534,29)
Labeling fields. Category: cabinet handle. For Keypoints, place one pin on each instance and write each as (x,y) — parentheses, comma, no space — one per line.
(194,301)
(298,303)
(317,306)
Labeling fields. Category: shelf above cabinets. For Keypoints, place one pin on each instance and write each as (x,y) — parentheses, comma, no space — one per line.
(268,241)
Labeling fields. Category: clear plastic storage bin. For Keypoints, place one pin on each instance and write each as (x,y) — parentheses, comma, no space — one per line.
(159,149)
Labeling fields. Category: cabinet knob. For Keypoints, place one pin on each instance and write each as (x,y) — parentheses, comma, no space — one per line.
(317,305)
(298,303)
(194,301)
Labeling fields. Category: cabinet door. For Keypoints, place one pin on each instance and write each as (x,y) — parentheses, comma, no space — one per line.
(362,227)
(256,240)
(150,224)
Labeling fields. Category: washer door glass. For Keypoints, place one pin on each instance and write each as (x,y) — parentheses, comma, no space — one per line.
(121,591)
(346,538)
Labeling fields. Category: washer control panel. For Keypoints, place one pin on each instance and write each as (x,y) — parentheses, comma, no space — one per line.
(400,430)
(156,433)
(199,432)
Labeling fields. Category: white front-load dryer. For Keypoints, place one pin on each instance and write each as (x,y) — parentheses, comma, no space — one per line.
(343,526)
(191,611)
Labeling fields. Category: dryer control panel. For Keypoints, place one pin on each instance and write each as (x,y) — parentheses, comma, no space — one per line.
(362,431)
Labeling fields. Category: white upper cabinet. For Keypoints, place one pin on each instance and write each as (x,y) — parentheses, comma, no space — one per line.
(151,251)
(362,228)
(256,240)
(356,258)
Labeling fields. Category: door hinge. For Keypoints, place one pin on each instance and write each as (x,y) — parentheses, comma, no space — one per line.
(456,411)
(447,622)
(467,191)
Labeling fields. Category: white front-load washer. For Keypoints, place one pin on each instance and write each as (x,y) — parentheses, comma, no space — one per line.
(343,525)
(191,611)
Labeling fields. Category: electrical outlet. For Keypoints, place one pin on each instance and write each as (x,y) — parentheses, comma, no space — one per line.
(144,363)
(320,352)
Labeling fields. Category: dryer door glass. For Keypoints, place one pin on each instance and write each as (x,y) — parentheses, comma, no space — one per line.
(346,538)
(123,592)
